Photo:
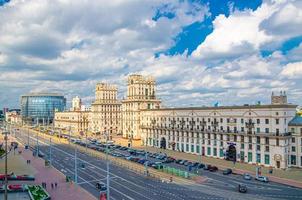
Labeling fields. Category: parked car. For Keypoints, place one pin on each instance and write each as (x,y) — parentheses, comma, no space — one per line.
(213,168)
(101,186)
(242,188)
(182,162)
(247,176)
(262,179)
(178,161)
(200,165)
(206,167)
(227,171)
(194,164)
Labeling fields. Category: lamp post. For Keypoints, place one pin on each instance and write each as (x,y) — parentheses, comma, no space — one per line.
(107,164)
(6,183)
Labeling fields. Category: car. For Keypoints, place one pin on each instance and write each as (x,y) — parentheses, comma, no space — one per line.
(182,162)
(200,165)
(227,171)
(262,179)
(247,176)
(178,161)
(206,167)
(101,186)
(187,163)
(242,188)
(194,164)
(213,168)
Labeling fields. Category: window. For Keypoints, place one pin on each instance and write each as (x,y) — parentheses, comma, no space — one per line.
(187,147)
(293,149)
(242,146)
(242,121)
(277,131)
(277,141)
(266,140)
(293,140)
(242,129)
(301,133)
(258,121)
(221,120)
(250,157)
(209,151)
(277,121)
(258,158)
(197,149)
(250,139)
(250,146)
(228,120)
(258,130)
(293,160)
(258,140)
(267,148)
(192,148)
(266,130)
(266,159)
(258,147)
(214,152)
(266,121)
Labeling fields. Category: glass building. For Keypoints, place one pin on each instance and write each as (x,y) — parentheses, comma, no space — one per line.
(40,107)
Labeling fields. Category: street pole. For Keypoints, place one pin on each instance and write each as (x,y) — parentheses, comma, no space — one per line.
(37,150)
(50,150)
(69,135)
(28,136)
(107,162)
(75,165)
(5,192)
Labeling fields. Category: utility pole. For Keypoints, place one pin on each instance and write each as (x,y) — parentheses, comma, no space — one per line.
(50,150)
(6,184)
(75,165)
(107,162)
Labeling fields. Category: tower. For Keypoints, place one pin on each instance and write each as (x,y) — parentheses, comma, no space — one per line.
(140,95)
(279,99)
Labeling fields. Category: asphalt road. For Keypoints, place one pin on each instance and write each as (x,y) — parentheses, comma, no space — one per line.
(125,184)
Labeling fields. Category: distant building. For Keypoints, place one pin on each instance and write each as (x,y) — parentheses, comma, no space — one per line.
(295,148)
(40,107)
(76,121)
(13,116)
(105,110)
(76,104)
(140,95)
(5,110)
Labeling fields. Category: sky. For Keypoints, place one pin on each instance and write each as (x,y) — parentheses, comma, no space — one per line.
(199,51)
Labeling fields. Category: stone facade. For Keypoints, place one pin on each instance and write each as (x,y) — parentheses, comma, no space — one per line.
(105,110)
(74,120)
(141,94)
(295,157)
(251,134)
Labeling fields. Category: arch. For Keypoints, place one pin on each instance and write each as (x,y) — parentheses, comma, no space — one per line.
(163,143)
(231,153)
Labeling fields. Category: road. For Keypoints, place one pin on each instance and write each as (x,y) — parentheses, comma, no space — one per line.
(125,184)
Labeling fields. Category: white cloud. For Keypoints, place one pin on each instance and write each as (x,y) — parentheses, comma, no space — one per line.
(293,70)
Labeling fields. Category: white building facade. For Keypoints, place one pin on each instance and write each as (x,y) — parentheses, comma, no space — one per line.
(295,127)
(255,134)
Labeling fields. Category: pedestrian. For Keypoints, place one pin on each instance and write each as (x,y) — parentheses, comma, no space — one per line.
(45,185)
(56,184)
(51,185)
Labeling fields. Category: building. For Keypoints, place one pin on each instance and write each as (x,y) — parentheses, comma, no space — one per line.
(255,134)
(105,110)
(76,104)
(13,116)
(295,127)
(76,121)
(40,107)
(140,95)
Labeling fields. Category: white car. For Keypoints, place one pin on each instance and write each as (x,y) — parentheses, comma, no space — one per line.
(262,179)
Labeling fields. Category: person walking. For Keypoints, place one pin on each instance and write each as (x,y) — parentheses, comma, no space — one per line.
(56,184)
(51,185)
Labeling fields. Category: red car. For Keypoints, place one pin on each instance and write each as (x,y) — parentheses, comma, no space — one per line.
(213,168)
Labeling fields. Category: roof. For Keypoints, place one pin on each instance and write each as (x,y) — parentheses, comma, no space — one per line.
(43,94)
(270,106)
(296,121)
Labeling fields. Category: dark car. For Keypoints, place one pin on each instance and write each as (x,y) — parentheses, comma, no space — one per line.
(242,188)
(188,163)
(213,168)
(182,162)
(178,161)
(101,186)
(194,164)
(227,171)
(200,165)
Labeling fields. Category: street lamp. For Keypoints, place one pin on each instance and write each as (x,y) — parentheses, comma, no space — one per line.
(6,183)
(107,163)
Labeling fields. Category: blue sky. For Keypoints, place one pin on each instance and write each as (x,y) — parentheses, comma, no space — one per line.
(200,52)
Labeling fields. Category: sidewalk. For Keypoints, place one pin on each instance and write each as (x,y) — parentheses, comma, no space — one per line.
(291,177)
(66,191)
